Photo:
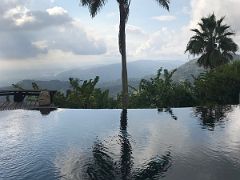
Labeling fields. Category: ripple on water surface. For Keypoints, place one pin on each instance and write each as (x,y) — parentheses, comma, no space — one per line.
(184,143)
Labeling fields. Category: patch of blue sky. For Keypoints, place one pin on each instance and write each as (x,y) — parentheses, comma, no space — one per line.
(141,13)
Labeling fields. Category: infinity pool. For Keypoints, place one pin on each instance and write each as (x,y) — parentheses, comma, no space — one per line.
(171,144)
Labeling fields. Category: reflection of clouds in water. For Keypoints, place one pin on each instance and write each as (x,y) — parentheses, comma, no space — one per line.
(217,119)
(76,163)
(112,158)
(79,164)
(148,142)
(71,164)
(152,136)
(101,163)
(233,129)
(152,144)
(19,123)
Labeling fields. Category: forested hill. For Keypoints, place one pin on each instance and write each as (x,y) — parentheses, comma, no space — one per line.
(112,72)
(191,69)
(184,72)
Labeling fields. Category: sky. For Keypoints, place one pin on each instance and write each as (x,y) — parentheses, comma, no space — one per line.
(48,36)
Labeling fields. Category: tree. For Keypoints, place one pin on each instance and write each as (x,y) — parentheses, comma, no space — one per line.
(212,41)
(84,94)
(94,7)
(221,86)
(162,92)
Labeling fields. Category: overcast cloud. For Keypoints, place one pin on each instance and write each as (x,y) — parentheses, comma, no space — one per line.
(27,34)
(171,43)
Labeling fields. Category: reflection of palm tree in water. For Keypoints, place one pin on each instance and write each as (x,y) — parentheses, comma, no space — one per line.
(209,116)
(126,148)
(103,166)
(169,111)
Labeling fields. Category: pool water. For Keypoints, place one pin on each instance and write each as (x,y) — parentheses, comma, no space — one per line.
(170,144)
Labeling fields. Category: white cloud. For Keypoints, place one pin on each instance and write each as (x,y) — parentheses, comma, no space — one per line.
(32,33)
(134,30)
(43,44)
(171,43)
(164,43)
(228,8)
(19,15)
(164,18)
(56,11)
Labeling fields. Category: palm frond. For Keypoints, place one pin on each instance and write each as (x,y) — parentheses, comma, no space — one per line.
(229,34)
(195,47)
(94,6)
(221,29)
(227,44)
(212,41)
(219,22)
(84,2)
(197,32)
(164,3)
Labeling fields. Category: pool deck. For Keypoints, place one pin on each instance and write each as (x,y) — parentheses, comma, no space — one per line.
(28,105)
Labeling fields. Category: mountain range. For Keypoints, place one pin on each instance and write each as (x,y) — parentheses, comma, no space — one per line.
(112,72)
(110,75)
(191,69)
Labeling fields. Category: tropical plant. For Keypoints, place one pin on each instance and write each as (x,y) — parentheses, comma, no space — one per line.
(17,86)
(84,94)
(221,86)
(161,91)
(94,7)
(212,42)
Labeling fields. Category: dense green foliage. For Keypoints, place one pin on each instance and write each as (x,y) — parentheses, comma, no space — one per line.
(161,91)
(213,42)
(84,95)
(219,86)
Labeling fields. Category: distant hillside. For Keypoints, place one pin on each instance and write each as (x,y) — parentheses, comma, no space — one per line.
(115,87)
(50,85)
(190,69)
(184,72)
(107,73)
(187,71)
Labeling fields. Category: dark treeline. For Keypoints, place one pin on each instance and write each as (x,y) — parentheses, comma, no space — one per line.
(218,86)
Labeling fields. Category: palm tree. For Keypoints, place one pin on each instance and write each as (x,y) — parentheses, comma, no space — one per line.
(94,7)
(212,41)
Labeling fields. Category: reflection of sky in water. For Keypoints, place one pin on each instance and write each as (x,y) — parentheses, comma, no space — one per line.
(66,143)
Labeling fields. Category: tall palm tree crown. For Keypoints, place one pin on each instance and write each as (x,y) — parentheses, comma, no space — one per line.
(213,42)
(94,7)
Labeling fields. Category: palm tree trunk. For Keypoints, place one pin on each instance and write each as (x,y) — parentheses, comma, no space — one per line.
(122,50)
(126,148)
